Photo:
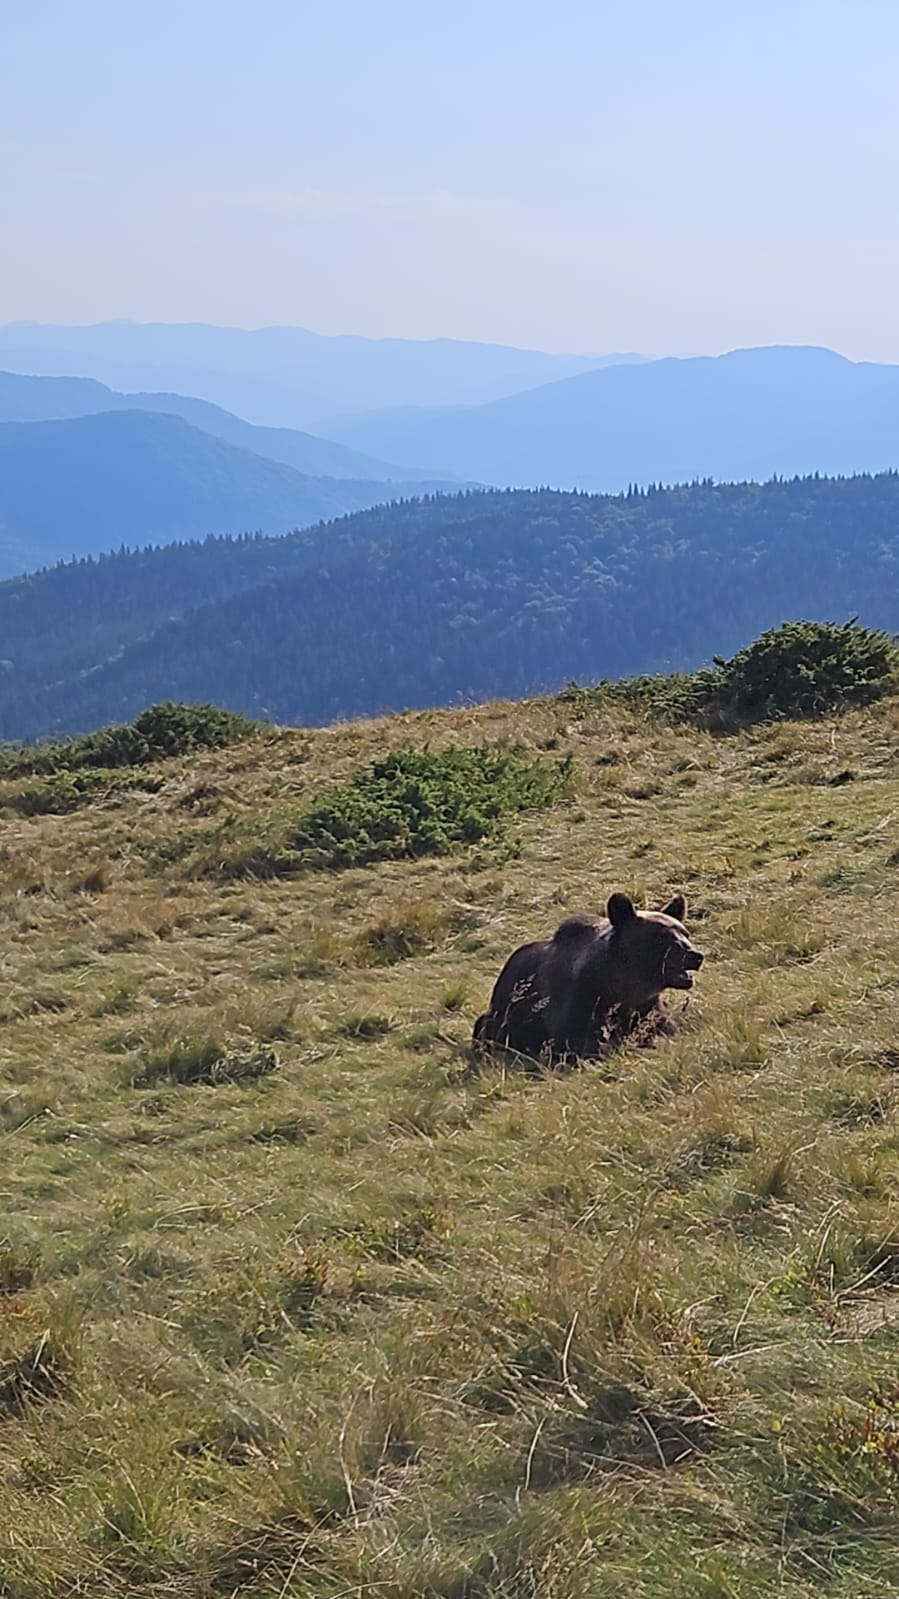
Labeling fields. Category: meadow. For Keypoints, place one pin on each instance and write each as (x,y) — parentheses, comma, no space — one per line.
(298,1299)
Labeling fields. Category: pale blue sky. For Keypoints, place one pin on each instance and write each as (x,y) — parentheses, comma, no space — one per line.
(659,175)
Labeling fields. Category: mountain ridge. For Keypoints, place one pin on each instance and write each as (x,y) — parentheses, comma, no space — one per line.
(88,484)
(747,414)
(448,599)
(283,376)
(33,397)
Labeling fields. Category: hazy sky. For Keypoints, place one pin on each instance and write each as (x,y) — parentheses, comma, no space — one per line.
(659,175)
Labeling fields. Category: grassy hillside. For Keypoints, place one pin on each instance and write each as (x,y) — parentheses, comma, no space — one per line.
(93,483)
(295,1301)
(747,414)
(446,599)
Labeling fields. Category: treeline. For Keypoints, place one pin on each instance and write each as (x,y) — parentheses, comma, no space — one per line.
(473,596)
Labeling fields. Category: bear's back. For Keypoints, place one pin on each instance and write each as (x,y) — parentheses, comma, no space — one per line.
(577,929)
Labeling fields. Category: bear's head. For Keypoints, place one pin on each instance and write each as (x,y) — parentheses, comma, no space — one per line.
(651,949)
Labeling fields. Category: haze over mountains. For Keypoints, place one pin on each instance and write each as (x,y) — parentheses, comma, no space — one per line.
(750,414)
(407,411)
(45,399)
(285,376)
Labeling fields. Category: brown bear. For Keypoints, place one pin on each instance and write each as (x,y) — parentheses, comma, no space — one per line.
(592,984)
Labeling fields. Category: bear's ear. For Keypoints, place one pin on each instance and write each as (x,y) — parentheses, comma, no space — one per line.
(620,909)
(676,908)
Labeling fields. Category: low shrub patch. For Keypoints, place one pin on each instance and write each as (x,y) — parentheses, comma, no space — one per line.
(425,802)
(804,669)
(798,670)
(65,791)
(160,732)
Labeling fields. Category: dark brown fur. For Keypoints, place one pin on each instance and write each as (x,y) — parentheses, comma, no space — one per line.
(592,984)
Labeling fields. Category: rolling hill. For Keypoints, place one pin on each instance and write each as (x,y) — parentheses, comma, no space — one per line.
(301,1299)
(455,598)
(747,415)
(97,482)
(284,376)
(44,399)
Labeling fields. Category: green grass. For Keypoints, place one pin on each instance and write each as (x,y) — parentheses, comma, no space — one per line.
(296,1301)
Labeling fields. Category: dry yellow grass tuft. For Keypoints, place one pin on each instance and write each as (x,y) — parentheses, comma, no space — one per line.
(293,1301)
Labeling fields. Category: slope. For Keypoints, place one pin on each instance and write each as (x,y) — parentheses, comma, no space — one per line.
(749,414)
(285,376)
(43,399)
(298,1299)
(92,483)
(459,597)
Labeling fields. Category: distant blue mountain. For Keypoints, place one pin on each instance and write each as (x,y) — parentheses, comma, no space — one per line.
(751,414)
(133,478)
(46,399)
(283,376)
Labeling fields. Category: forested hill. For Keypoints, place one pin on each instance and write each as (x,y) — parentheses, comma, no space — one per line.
(478,595)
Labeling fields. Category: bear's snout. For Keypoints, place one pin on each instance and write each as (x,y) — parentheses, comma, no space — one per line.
(678,969)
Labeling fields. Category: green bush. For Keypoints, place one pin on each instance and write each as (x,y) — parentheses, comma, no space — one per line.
(805,669)
(164,731)
(65,791)
(672,698)
(157,734)
(422,803)
(800,669)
